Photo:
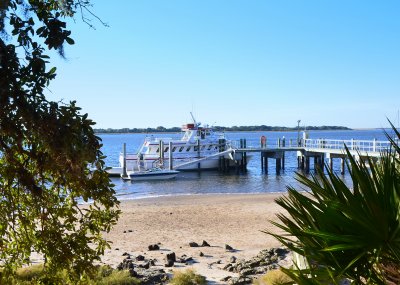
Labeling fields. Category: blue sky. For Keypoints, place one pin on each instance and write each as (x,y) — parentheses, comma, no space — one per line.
(235,63)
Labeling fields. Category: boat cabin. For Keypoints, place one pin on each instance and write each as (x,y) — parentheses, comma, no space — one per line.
(193,132)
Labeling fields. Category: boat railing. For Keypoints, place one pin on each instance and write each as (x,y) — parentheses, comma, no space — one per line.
(154,139)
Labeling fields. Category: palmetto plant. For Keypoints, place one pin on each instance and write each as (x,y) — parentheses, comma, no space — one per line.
(347,232)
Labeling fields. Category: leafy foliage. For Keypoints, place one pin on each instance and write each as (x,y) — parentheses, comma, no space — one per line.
(102,275)
(347,233)
(45,150)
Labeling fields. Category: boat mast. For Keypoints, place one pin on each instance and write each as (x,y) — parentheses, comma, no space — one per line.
(194,120)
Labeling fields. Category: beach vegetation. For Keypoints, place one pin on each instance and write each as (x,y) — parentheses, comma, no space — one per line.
(187,277)
(102,275)
(273,277)
(30,273)
(345,232)
(45,150)
(117,277)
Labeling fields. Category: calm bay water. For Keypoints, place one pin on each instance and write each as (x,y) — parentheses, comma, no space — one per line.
(213,182)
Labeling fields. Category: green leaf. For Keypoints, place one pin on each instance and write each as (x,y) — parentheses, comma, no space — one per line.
(52,70)
(69,40)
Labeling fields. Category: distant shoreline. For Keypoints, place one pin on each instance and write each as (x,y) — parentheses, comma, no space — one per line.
(162,130)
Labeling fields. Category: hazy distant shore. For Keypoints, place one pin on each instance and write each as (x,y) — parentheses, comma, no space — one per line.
(220,129)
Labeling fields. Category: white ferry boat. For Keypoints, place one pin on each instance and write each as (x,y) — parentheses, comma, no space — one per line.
(199,148)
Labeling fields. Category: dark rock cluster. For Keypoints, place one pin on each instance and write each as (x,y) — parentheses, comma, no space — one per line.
(195,244)
(266,260)
(153,247)
(150,271)
(143,269)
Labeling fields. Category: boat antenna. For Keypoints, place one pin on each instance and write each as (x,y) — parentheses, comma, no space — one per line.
(194,120)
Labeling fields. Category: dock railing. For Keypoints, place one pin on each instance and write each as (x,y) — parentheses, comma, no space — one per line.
(328,144)
(359,145)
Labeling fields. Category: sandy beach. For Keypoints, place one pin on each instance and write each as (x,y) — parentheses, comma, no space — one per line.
(173,222)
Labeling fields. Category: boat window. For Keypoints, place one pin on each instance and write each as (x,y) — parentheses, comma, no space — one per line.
(157,150)
(209,147)
(173,149)
(181,148)
(166,149)
(188,148)
(203,147)
(216,147)
(196,148)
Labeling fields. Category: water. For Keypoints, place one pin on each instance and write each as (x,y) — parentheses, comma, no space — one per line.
(213,182)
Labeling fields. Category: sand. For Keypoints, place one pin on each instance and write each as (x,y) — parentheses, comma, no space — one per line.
(173,222)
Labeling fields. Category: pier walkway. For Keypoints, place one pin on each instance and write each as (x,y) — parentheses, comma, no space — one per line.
(319,149)
(372,148)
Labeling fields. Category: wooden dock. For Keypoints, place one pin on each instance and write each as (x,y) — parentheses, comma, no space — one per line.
(323,151)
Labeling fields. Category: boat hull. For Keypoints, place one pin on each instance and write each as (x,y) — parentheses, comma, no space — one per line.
(206,164)
(148,175)
(114,171)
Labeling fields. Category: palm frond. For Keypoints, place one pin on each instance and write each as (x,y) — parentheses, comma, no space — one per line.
(348,232)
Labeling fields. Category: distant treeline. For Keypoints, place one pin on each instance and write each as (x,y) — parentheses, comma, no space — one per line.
(218,128)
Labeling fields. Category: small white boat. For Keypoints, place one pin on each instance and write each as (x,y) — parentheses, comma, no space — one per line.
(151,174)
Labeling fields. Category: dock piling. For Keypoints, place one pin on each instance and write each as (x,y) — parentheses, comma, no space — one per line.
(278,166)
(342,166)
(244,156)
(262,161)
(161,150)
(307,164)
(124,172)
(170,156)
(330,161)
(198,153)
